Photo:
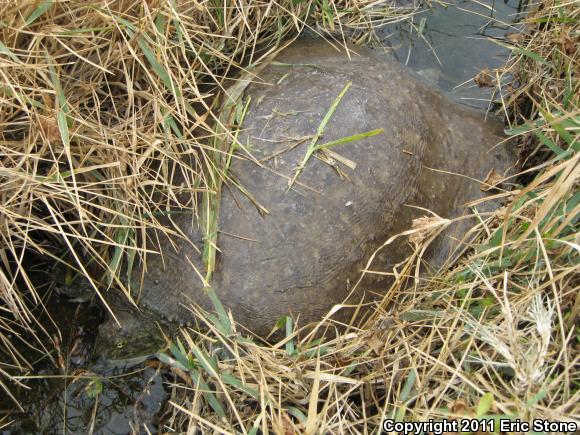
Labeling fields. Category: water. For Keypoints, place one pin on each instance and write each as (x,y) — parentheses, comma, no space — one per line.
(455,44)
(447,47)
(109,402)
(72,396)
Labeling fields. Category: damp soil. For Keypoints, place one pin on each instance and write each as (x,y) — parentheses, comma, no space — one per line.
(73,393)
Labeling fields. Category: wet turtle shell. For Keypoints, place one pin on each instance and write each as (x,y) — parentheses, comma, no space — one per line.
(306,254)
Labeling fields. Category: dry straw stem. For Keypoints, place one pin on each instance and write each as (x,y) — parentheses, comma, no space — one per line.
(107,123)
(493,335)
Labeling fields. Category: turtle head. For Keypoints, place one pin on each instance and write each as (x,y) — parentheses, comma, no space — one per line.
(71,283)
(130,334)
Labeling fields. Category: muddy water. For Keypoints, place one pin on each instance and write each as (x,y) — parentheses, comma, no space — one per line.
(446,47)
(66,394)
(108,401)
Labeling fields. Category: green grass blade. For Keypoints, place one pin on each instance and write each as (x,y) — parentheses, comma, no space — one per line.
(521,129)
(63,127)
(319,131)
(157,67)
(235,382)
(531,55)
(205,361)
(169,122)
(561,130)
(160,23)
(537,398)
(62,109)
(484,405)
(290,349)
(70,32)
(295,412)
(409,384)
(8,52)
(224,320)
(207,393)
(182,363)
(121,236)
(172,362)
(329,114)
(211,367)
(347,139)
(549,143)
(23,97)
(43,6)
(534,56)
(232,107)
(181,357)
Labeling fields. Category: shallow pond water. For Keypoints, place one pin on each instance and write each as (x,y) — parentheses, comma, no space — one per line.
(111,401)
(447,47)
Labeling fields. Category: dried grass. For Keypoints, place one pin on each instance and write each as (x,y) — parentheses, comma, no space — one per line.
(493,336)
(106,111)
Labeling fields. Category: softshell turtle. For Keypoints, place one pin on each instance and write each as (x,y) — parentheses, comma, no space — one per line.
(303,257)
